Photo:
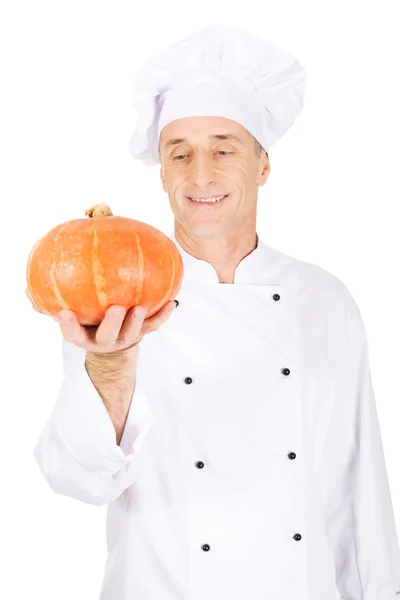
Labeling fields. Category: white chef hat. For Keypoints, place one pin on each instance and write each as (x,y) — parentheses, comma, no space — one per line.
(220,71)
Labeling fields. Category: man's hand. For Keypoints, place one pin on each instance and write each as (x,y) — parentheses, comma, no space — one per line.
(120,329)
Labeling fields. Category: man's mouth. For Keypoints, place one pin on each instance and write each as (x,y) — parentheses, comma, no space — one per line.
(211,201)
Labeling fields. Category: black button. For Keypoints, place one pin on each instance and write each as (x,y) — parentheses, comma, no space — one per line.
(199,464)
(276,297)
(292,455)
(176,302)
(297,537)
(205,547)
(285,371)
(188,380)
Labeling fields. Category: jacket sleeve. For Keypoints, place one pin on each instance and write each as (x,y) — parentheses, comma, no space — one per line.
(359,515)
(77,451)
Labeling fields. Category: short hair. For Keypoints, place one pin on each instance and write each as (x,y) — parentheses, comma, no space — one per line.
(257,146)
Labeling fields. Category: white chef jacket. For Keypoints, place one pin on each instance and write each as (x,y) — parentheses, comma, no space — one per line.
(251,465)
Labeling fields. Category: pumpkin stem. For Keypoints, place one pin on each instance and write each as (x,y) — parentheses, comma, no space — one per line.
(99,210)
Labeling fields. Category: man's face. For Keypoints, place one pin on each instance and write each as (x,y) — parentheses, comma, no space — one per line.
(205,165)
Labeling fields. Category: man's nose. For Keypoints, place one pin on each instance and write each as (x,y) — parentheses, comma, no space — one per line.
(202,170)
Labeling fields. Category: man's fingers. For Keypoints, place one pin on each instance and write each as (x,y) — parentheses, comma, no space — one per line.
(110,326)
(117,323)
(136,325)
(132,324)
(71,329)
(154,322)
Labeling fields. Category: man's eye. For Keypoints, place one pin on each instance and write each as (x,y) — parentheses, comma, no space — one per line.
(219,152)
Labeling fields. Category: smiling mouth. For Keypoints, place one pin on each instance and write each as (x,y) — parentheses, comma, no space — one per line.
(205,203)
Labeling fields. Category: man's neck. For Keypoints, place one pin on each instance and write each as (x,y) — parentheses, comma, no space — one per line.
(224,257)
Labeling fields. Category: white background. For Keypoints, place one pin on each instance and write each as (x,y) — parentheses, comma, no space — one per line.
(66,119)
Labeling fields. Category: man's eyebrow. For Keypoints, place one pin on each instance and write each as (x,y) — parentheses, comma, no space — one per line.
(218,136)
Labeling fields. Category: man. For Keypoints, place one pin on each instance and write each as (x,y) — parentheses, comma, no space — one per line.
(239,449)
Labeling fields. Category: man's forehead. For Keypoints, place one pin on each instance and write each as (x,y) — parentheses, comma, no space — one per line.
(212,137)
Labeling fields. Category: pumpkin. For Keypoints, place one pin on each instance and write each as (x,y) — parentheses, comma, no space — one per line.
(87,265)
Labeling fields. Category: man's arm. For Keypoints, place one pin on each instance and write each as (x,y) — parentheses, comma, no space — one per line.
(77,450)
(359,517)
(114,377)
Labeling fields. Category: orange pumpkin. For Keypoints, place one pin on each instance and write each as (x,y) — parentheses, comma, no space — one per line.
(87,265)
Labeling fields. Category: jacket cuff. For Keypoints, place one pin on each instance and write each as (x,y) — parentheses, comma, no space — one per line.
(82,422)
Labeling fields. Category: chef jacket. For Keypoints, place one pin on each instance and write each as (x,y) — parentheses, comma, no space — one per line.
(251,465)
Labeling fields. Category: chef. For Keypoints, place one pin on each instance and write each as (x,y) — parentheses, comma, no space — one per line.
(250,466)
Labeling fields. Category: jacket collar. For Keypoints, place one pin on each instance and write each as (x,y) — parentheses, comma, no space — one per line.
(252,269)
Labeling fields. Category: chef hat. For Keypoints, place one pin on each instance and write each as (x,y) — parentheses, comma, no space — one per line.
(221,71)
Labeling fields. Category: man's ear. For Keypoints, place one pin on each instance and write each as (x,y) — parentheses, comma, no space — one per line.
(163,180)
(262,178)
